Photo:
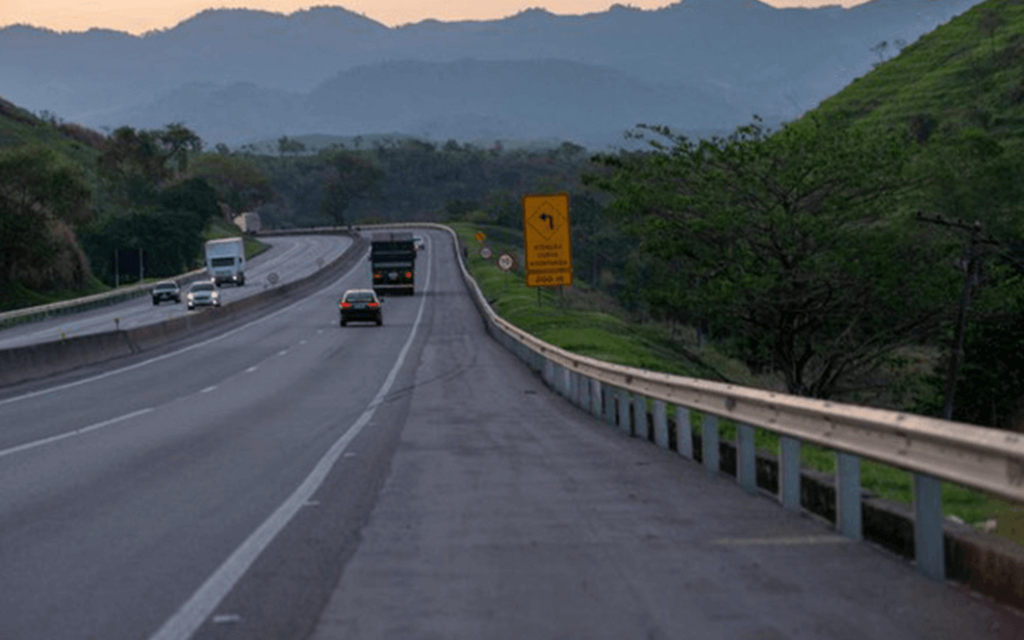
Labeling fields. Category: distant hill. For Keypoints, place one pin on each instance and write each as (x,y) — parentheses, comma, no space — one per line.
(694,64)
(465,100)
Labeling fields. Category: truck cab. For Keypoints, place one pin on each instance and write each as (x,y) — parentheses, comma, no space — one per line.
(225,261)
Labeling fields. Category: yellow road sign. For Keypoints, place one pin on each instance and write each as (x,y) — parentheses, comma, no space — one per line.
(548,254)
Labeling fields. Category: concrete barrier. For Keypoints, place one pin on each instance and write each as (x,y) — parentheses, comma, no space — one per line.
(23,364)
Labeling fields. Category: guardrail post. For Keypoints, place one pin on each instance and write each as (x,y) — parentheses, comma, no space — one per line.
(746,458)
(549,372)
(641,426)
(928,533)
(624,422)
(848,508)
(584,391)
(709,440)
(660,424)
(789,472)
(609,405)
(565,382)
(595,398)
(684,432)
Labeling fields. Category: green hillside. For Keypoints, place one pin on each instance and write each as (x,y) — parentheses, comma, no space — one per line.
(958,93)
(968,73)
(20,127)
(71,197)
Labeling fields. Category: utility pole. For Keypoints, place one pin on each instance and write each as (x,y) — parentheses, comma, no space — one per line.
(956,352)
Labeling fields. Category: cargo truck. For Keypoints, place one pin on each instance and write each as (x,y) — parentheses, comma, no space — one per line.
(248,222)
(225,260)
(393,262)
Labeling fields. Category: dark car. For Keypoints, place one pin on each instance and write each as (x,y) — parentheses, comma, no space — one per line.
(360,304)
(166,290)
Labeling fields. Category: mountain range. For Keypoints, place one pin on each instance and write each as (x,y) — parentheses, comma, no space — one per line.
(238,75)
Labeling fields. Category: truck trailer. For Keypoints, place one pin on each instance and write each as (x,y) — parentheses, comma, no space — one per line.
(225,261)
(248,222)
(393,262)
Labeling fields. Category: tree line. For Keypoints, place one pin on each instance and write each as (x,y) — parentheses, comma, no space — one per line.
(813,253)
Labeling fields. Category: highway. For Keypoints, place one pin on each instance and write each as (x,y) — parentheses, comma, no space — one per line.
(289,258)
(290,478)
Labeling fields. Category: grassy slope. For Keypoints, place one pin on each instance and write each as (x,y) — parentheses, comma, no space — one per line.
(957,74)
(19,127)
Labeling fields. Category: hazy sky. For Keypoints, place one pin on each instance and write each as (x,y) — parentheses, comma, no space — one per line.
(138,16)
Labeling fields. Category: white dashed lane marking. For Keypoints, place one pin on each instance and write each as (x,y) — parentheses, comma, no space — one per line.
(71,434)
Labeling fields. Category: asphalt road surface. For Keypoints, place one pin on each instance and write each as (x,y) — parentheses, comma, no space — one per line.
(294,479)
(289,257)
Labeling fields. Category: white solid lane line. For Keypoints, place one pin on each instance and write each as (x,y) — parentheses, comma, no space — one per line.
(205,601)
(71,434)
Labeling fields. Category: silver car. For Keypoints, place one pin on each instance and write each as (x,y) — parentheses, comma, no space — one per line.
(203,294)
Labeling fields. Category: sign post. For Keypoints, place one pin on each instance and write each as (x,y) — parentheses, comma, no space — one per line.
(548,255)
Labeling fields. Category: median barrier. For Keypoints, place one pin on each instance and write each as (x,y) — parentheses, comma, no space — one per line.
(32,362)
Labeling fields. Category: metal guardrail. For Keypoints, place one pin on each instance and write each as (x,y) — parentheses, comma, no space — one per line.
(932,449)
(107,298)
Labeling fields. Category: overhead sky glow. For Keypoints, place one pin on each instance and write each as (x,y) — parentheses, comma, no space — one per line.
(139,16)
